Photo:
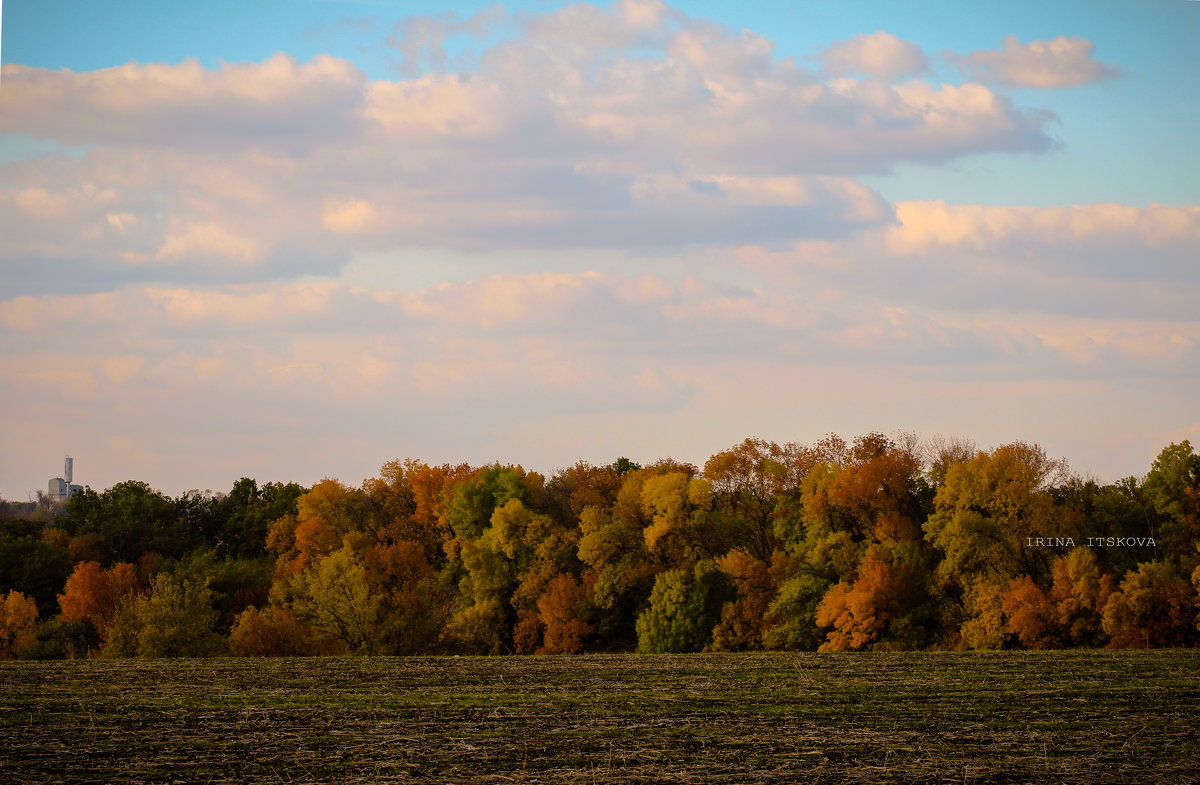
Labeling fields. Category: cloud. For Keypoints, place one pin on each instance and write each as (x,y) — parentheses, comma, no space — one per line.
(627,127)
(455,370)
(1063,62)
(1091,240)
(420,39)
(1097,261)
(278,102)
(877,54)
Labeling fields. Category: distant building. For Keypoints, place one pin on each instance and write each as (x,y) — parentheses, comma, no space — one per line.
(61,488)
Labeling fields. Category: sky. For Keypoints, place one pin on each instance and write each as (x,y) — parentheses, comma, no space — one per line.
(295,240)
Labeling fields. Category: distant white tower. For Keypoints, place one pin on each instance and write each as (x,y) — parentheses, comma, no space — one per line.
(60,487)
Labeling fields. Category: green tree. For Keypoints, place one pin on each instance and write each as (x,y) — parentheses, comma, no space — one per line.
(33,562)
(335,598)
(685,605)
(1173,487)
(245,514)
(128,520)
(177,618)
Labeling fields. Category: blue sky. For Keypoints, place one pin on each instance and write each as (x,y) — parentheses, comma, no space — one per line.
(245,239)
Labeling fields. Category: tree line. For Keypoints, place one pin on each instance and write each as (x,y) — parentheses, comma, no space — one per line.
(879,543)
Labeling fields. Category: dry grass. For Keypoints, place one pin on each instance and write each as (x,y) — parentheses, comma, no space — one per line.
(1058,717)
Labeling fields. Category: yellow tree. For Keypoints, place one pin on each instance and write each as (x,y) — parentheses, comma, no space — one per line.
(334,597)
(680,528)
(987,518)
(612,544)
(177,619)
(18,618)
(1079,592)
(324,516)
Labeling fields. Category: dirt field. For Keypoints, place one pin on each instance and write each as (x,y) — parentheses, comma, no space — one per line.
(1061,717)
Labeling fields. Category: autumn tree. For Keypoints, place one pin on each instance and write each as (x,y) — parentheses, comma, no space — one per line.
(743,618)
(1153,607)
(18,618)
(334,597)
(747,483)
(579,486)
(472,501)
(1030,614)
(884,606)
(561,609)
(409,497)
(681,529)
(324,516)
(941,452)
(984,515)
(413,605)
(92,593)
(276,632)
(1080,591)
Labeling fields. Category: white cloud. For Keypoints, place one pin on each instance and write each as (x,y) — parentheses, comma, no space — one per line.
(878,54)
(1062,62)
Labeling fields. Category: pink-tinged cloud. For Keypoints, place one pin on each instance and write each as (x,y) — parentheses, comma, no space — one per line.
(1062,62)
(878,54)
(239,105)
(1156,243)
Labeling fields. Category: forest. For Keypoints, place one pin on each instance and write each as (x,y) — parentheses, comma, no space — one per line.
(878,543)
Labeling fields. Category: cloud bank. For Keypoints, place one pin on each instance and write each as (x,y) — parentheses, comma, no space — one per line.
(631,127)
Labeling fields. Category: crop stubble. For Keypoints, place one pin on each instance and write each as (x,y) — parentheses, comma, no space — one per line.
(1015,717)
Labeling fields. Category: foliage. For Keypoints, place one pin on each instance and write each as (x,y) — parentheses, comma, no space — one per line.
(92,593)
(34,561)
(684,607)
(1154,606)
(561,609)
(334,597)
(18,618)
(1173,487)
(177,619)
(276,632)
(56,639)
(876,543)
(128,520)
